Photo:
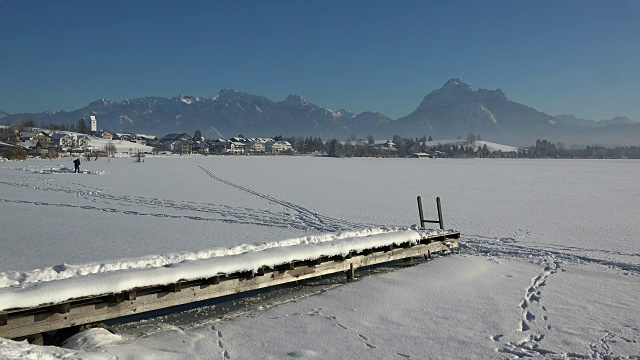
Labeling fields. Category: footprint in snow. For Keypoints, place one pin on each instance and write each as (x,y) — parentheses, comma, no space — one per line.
(303,354)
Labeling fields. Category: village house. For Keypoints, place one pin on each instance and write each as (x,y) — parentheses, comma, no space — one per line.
(387,148)
(157,144)
(222,147)
(43,139)
(27,135)
(178,146)
(200,147)
(238,139)
(82,141)
(6,146)
(33,147)
(63,141)
(177,137)
(142,138)
(277,147)
(254,147)
(107,135)
(124,136)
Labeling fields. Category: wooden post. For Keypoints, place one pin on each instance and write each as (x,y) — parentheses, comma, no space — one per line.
(116,298)
(173,288)
(440,220)
(420,212)
(214,280)
(351,273)
(61,308)
(130,295)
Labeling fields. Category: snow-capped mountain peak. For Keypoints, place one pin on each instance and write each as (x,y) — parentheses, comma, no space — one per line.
(188,99)
(296,100)
(457,85)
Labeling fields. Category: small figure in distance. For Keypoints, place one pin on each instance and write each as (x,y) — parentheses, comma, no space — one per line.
(76,163)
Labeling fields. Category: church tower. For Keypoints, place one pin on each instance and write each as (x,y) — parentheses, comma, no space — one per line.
(94,124)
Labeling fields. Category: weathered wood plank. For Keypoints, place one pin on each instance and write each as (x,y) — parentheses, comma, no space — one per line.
(133,302)
(173,288)
(61,308)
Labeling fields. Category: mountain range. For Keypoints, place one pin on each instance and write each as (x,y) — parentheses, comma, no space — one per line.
(449,112)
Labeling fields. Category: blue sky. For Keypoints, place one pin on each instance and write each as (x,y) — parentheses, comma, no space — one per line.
(580,57)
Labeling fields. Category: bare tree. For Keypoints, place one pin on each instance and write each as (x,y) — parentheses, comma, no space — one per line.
(110,148)
(471,138)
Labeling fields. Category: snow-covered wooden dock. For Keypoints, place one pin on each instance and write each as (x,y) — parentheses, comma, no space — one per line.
(194,286)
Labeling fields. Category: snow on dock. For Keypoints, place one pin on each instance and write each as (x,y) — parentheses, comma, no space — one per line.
(35,302)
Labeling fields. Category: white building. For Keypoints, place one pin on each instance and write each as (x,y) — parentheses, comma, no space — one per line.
(94,123)
(278,146)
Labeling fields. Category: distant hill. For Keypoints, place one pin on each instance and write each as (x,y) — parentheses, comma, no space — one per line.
(449,112)
(573,120)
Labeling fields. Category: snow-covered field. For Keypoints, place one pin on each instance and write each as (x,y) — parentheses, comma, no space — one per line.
(549,266)
(491,146)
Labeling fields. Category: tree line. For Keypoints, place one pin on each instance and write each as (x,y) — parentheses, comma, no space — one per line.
(402,146)
(79,126)
(408,147)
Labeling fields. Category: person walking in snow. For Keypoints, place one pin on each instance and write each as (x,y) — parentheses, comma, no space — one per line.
(76,163)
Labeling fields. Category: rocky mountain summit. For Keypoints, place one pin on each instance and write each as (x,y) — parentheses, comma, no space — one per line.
(452,111)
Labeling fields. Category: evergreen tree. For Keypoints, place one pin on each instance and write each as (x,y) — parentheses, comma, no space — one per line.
(197,136)
(81,127)
(371,140)
(334,147)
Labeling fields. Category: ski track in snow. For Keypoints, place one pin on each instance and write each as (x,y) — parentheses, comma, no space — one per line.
(294,216)
(533,311)
(312,217)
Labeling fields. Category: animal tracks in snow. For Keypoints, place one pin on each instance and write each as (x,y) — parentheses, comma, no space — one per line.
(534,322)
(225,354)
(550,256)
(362,337)
(533,296)
(317,313)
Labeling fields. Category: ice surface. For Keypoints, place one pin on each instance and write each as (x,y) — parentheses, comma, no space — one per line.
(549,268)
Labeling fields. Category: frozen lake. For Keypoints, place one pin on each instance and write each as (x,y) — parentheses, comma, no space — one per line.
(550,260)
(120,209)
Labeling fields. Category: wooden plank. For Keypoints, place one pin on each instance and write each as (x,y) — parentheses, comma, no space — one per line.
(61,308)
(214,280)
(64,315)
(173,288)
(116,298)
